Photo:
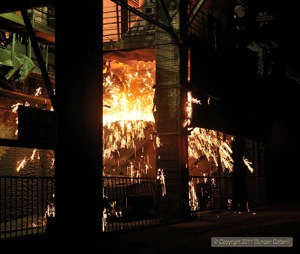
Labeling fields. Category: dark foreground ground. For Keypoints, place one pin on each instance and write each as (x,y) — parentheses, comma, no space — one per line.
(270,220)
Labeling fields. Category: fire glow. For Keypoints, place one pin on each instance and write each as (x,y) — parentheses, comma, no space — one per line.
(212,144)
(128,93)
(127,111)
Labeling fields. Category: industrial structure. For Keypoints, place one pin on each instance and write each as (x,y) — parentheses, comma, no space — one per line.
(187,96)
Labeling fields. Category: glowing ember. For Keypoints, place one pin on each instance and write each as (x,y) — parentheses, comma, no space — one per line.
(193,199)
(161,177)
(38,91)
(21,164)
(188,109)
(248,164)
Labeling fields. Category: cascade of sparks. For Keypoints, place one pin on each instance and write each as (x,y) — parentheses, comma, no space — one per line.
(128,110)
(21,164)
(128,104)
(211,143)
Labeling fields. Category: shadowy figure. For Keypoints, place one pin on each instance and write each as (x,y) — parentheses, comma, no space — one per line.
(203,192)
(239,176)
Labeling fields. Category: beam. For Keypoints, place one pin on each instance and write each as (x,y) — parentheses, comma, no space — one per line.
(169,29)
(194,12)
(39,56)
(17,5)
(26,144)
(163,4)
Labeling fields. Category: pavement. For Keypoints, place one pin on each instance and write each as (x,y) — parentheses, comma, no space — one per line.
(235,232)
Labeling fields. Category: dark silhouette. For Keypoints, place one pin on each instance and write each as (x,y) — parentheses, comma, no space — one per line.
(239,176)
(203,193)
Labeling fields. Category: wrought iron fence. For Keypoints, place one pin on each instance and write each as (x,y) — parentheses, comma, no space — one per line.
(24,204)
(129,203)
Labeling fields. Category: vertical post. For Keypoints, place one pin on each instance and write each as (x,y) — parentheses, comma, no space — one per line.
(78,157)
(47,57)
(170,102)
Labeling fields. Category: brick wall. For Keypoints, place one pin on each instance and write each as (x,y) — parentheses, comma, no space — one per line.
(170,103)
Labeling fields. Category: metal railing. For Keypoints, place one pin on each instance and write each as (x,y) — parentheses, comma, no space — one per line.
(129,203)
(214,192)
(43,15)
(24,202)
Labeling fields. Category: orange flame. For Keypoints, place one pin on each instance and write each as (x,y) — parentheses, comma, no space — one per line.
(128,100)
